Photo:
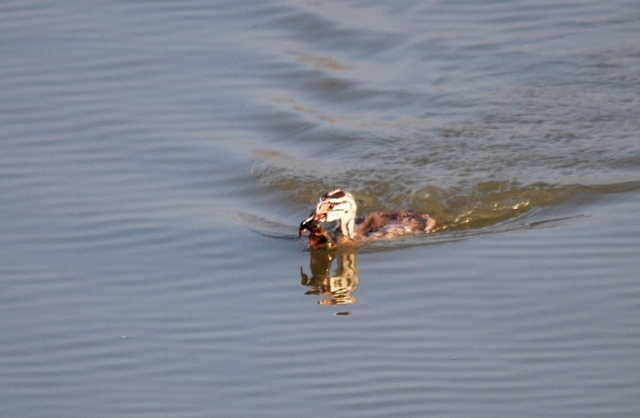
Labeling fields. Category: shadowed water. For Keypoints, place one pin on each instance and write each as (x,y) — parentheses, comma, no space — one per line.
(158,157)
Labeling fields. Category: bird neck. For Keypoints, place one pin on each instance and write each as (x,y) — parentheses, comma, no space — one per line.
(347,224)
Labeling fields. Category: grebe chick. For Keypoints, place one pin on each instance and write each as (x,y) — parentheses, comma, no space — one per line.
(318,236)
(340,206)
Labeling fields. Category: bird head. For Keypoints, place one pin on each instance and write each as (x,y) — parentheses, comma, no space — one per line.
(337,205)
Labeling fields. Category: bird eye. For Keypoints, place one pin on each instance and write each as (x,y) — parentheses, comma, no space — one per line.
(331,206)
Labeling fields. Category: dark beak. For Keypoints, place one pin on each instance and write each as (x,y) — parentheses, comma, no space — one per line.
(304,226)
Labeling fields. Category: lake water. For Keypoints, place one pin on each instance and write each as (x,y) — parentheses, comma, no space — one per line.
(158,156)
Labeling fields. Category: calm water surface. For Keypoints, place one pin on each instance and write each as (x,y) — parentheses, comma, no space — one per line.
(158,156)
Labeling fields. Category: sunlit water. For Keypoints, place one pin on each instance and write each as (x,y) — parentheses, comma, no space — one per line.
(158,157)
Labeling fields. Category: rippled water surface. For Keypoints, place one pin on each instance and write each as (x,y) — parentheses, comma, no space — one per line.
(158,156)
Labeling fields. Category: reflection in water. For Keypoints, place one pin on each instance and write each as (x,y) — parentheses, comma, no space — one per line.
(339,286)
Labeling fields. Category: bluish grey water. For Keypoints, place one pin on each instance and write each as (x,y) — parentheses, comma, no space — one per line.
(157,158)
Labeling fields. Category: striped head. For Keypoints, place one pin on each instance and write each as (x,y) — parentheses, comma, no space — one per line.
(340,206)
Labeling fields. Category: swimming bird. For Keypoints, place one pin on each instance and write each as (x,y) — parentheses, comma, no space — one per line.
(340,206)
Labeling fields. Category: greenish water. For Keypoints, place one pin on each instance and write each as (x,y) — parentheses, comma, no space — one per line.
(158,157)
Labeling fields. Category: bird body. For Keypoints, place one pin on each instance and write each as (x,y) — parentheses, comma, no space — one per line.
(381,225)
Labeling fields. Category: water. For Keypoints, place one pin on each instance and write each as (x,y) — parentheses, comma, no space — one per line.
(158,157)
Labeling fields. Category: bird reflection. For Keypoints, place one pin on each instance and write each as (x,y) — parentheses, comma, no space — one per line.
(338,287)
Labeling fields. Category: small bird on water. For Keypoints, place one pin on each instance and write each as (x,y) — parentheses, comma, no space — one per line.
(340,206)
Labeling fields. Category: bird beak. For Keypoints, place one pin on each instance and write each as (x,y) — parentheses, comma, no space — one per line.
(304,224)
(301,230)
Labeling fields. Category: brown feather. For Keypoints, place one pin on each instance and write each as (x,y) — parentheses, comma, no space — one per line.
(394,223)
